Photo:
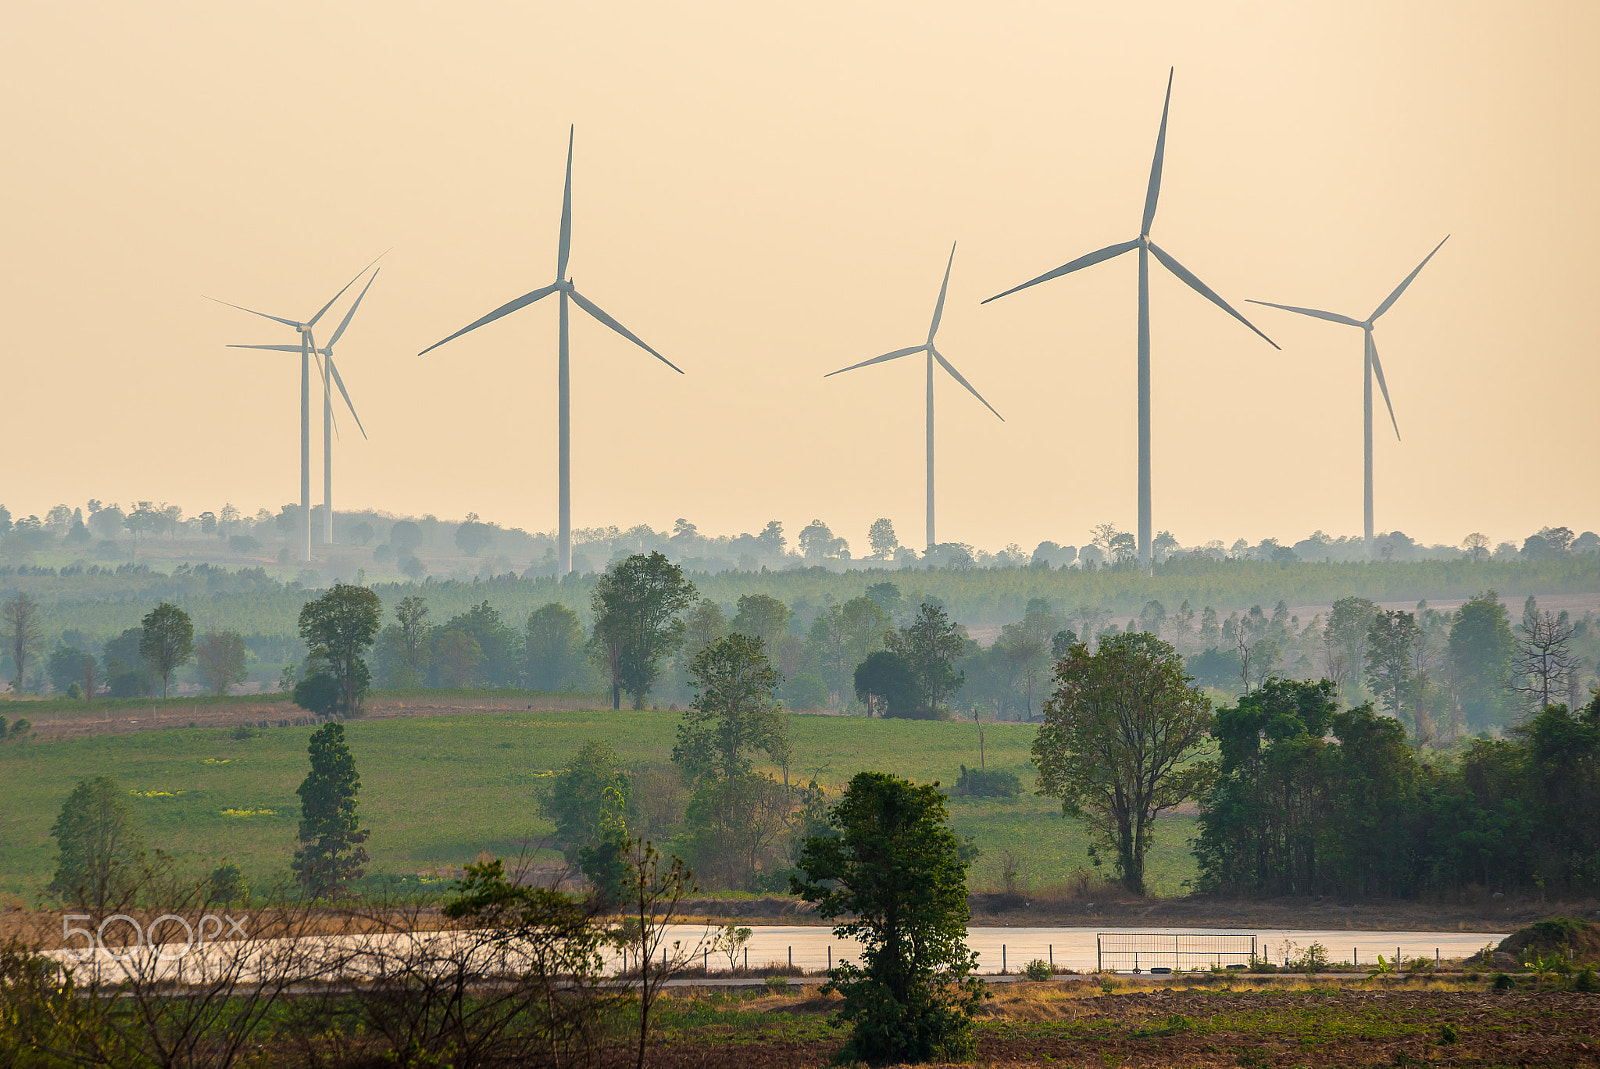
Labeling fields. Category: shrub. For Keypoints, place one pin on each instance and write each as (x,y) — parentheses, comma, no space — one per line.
(1038,970)
(778,985)
(995,783)
(317,693)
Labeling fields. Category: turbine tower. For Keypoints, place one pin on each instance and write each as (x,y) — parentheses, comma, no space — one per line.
(1147,248)
(307,344)
(1371,364)
(562,285)
(328,367)
(933,354)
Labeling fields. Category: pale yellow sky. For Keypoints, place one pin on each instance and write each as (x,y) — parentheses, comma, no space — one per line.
(767,194)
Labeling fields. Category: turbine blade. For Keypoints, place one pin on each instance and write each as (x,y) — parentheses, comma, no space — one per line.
(504,310)
(1398,290)
(345,322)
(327,402)
(1332,317)
(252,311)
(1067,268)
(274,348)
(1154,191)
(897,354)
(338,381)
(937,355)
(347,285)
(1377,365)
(565,248)
(1205,291)
(944,287)
(595,310)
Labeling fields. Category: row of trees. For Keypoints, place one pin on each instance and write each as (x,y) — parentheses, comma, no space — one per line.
(134,663)
(1311,798)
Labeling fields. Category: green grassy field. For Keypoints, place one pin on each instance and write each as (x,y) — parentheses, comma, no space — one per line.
(437,791)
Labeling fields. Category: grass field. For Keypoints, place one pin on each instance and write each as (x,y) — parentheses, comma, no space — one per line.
(437,791)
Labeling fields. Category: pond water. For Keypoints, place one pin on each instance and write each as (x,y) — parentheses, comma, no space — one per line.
(1081,948)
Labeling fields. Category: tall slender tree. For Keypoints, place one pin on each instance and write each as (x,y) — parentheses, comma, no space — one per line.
(332,849)
(166,641)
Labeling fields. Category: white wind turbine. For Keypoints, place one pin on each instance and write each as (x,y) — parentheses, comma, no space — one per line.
(1370,364)
(328,367)
(933,355)
(562,285)
(307,344)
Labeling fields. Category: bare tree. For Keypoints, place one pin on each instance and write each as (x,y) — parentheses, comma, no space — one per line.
(19,615)
(1544,664)
(1475,545)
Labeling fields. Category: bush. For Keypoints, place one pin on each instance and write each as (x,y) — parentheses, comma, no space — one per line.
(317,693)
(995,783)
(1038,970)
(778,985)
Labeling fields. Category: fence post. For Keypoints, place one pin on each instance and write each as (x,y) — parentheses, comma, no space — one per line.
(1052,957)
(1002,959)
(791,957)
(746,959)
(1396,959)
(1099,956)
(830,957)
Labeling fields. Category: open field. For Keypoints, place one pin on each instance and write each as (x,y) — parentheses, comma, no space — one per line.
(439,789)
(1323,1023)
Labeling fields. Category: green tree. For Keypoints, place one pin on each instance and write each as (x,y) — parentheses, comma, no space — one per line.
(588,802)
(221,657)
(930,644)
(67,665)
(1345,635)
(762,617)
(636,605)
(882,539)
(553,649)
(1391,638)
(332,851)
(412,613)
(1480,649)
(20,617)
(499,646)
(896,877)
(125,671)
(456,656)
(338,629)
(1119,741)
(473,537)
(100,853)
(166,641)
(885,685)
(732,715)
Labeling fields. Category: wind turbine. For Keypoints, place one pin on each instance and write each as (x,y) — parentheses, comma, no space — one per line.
(307,344)
(562,285)
(933,354)
(328,367)
(1371,364)
(1147,248)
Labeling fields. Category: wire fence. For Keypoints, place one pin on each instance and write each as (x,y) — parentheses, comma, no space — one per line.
(1174,951)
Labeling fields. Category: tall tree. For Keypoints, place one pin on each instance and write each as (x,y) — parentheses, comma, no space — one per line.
(1119,741)
(20,618)
(1480,649)
(732,714)
(1391,638)
(553,649)
(338,629)
(332,849)
(1346,634)
(762,617)
(636,605)
(221,656)
(1544,662)
(167,641)
(412,613)
(99,850)
(882,539)
(588,802)
(894,879)
(930,644)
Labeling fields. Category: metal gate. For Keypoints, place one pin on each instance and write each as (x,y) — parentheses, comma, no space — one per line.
(1144,951)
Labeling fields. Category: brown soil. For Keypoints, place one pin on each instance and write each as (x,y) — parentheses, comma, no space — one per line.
(1032,1024)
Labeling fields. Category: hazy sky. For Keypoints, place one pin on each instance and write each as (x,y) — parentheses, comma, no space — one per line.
(768,193)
